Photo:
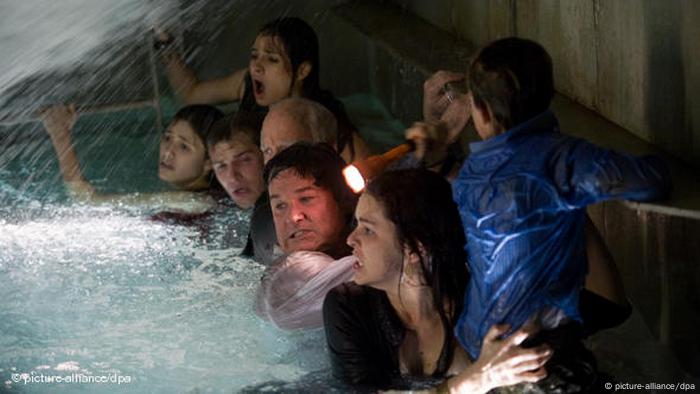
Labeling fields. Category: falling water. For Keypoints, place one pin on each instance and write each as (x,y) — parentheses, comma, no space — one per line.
(105,291)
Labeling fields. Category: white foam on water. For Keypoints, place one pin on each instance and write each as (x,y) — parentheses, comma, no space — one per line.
(98,290)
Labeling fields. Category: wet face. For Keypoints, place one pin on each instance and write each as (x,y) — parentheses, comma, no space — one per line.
(375,244)
(271,71)
(183,156)
(279,130)
(238,166)
(306,216)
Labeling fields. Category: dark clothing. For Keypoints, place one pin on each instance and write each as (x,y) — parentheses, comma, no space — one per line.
(572,368)
(599,313)
(364,335)
(522,197)
(261,237)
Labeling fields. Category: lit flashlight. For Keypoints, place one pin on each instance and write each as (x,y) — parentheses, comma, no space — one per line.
(356,175)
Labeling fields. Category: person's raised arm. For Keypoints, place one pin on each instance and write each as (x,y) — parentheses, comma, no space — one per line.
(58,122)
(445,115)
(193,91)
(435,98)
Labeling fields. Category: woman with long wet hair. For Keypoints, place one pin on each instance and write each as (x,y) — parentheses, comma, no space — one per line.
(396,320)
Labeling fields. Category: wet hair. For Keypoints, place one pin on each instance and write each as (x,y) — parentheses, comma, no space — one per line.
(419,203)
(301,45)
(513,77)
(200,117)
(242,122)
(311,116)
(320,162)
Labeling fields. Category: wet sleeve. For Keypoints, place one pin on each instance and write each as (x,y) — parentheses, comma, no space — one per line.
(262,234)
(349,347)
(248,250)
(586,174)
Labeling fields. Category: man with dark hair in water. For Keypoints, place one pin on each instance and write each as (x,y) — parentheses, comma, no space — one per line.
(312,206)
(312,209)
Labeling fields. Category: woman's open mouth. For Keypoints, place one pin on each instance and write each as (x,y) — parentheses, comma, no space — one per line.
(258,87)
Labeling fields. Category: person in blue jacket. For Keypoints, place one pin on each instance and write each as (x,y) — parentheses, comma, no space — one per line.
(522,195)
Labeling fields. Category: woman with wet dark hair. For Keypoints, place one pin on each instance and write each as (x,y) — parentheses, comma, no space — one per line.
(396,320)
(284,62)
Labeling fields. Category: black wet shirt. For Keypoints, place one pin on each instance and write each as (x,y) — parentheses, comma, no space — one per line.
(364,335)
(261,238)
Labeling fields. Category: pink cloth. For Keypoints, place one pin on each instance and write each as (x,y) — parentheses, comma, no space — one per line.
(292,290)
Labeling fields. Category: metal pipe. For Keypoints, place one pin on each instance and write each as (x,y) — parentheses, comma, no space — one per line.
(154,77)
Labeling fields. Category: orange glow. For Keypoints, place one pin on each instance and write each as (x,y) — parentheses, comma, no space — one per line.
(356,175)
(354,178)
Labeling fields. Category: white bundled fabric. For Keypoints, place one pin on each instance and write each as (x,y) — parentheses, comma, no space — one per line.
(292,290)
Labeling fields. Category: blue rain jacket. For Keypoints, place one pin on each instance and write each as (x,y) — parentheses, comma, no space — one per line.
(522,197)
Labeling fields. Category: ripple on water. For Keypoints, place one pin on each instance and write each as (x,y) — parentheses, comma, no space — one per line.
(98,290)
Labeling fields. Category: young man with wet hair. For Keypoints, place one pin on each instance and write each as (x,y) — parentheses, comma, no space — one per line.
(238,163)
(236,158)
(522,195)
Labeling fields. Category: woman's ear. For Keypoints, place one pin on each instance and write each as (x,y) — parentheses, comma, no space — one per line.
(207,165)
(411,256)
(413,269)
(303,71)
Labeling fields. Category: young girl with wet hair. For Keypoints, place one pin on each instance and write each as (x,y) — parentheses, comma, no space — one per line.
(284,62)
(183,161)
(396,320)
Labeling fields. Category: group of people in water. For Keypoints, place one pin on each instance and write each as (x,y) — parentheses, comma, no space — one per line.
(477,272)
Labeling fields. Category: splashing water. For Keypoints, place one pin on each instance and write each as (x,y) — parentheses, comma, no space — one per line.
(93,53)
(55,35)
(93,291)
(96,291)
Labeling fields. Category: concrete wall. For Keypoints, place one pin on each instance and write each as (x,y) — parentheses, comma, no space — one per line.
(659,268)
(635,62)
